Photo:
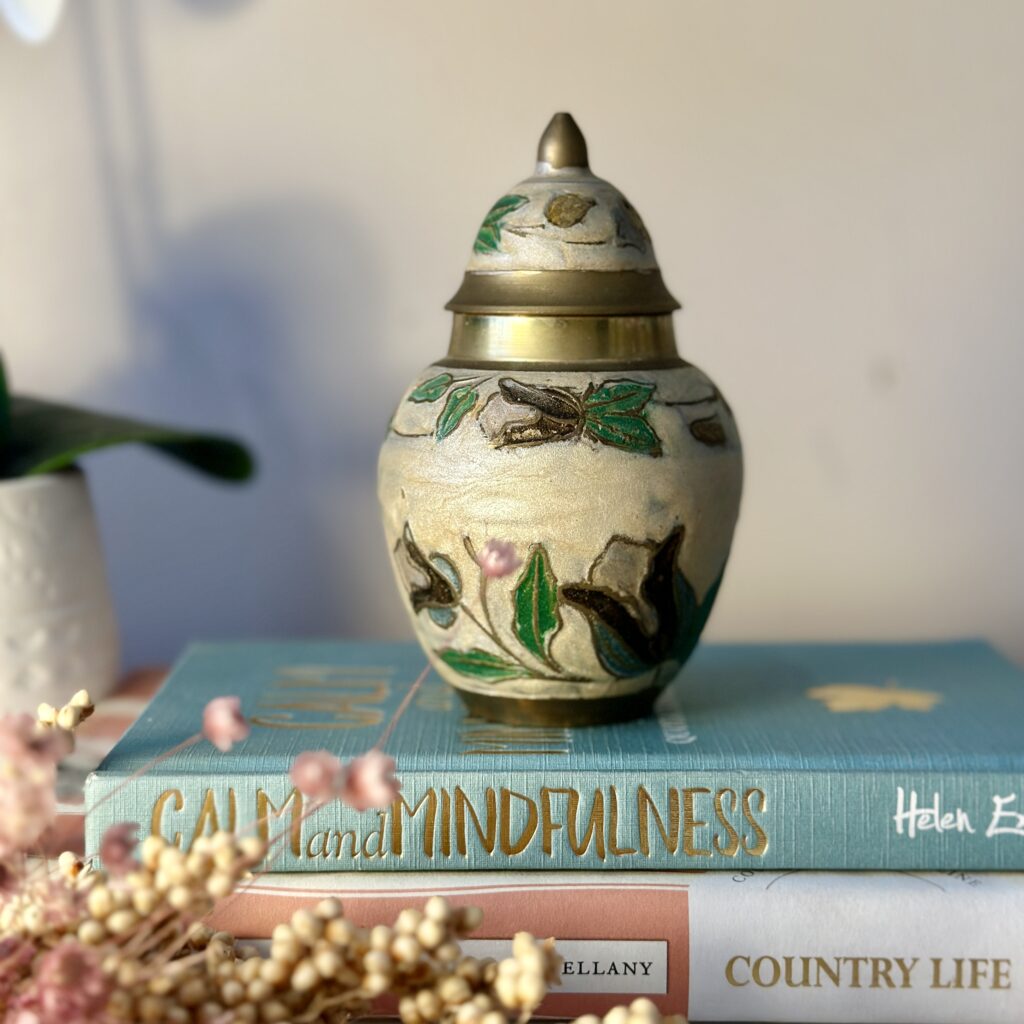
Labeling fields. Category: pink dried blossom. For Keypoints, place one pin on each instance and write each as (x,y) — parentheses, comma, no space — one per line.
(223,724)
(70,988)
(21,739)
(498,558)
(318,774)
(16,955)
(28,775)
(117,848)
(369,781)
(366,781)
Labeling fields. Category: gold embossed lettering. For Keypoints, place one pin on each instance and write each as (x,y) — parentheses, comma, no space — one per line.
(508,847)
(758,974)
(317,845)
(378,834)
(156,823)
(1001,974)
(595,825)
(805,979)
(613,827)
(522,741)
(548,825)
(344,697)
(830,972)
(446,823)
(691,823)
(881,971)
(645,808)
(337,838)
(488,837)
(979,971)
(732,846)
(429,800)
(760,844)
(730,971)
(265,809)
(905,968)
(855,962)
(208,821)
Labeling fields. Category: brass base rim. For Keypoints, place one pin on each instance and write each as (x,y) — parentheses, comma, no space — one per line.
(560,711)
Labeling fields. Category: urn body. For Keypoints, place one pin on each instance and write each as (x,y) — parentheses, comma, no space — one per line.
(559,493)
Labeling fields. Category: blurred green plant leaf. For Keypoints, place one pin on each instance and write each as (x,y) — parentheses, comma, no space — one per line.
(5,410)
(44,437)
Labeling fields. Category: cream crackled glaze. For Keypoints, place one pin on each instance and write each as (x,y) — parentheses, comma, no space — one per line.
(589,497)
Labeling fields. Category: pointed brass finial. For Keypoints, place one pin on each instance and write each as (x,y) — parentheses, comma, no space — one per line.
(562,144)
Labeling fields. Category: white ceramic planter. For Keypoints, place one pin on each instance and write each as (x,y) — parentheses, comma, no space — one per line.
(58,632)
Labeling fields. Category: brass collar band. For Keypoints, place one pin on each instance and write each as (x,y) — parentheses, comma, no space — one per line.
(563,342)
(564,293)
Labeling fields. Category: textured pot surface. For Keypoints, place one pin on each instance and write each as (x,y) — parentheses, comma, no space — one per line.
(559,493)
(57,627)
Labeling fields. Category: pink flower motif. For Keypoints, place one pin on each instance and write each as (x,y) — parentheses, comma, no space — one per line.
(369,781)
(70,988)
(318,774)
(117,848)
(498,558)
(223,724)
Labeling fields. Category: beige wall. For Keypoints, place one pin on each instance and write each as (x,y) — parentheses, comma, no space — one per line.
(249,214)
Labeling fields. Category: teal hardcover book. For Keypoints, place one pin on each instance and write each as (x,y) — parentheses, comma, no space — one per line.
(887,756)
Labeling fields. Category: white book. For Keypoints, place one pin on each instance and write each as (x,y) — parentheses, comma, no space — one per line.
(846,947)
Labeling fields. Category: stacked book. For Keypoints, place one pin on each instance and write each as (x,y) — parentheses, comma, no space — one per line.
(802,833)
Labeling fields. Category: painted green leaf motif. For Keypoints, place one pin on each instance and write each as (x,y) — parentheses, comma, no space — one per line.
(483,665)
(488,238)
(622,430)
(615,414)
(431,390)
(536,605)
(460,401)
(620,396)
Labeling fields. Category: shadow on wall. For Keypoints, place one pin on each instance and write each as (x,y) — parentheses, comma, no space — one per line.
(258,322)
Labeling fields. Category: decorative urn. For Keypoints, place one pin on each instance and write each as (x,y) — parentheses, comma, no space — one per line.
(559,492)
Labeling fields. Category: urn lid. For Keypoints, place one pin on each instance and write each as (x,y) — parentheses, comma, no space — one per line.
(563,242)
